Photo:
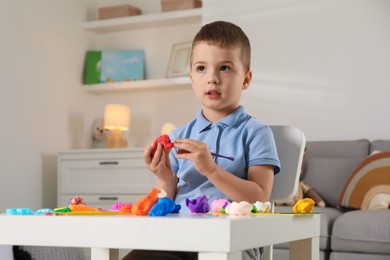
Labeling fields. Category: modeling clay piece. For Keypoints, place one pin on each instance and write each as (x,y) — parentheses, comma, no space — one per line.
(27,211)
(162,194)
(81,207)
(76,200)
(165,141)
(261,207)
(198,205)
(163,207)
(239,208)
(126,208)
(62,210)
(118,205)
(304,206)
(143,205)
(44,211)
(219,206)
(19,211)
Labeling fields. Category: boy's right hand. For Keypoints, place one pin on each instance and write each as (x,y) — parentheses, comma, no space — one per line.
(159,164)
(161,167)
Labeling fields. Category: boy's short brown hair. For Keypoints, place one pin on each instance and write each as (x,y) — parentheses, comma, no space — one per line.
(225,34)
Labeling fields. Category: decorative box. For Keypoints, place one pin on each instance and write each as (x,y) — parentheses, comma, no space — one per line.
(173,5)
(117,11)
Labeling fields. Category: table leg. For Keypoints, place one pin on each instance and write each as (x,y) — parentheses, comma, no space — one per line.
(114,254)
(267,253)
(305,249)
(220,256)
(104,254)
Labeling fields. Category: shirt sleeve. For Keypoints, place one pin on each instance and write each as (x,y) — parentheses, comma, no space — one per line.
(261,149)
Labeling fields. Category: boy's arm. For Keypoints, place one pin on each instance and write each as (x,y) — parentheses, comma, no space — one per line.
(159,164)
(257,187)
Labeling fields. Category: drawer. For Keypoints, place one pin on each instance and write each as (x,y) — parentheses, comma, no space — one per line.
(103,201)
(104,173)
(102,176)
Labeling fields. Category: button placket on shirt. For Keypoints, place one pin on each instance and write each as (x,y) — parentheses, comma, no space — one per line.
(214,136)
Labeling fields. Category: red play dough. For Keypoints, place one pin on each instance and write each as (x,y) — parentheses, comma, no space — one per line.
(165,141)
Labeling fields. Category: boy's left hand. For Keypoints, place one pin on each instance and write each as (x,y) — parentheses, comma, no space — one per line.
(198,153)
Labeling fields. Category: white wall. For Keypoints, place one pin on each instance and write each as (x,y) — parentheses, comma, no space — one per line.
(320,65)
(42,110)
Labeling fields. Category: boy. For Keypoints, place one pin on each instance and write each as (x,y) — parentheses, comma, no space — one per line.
(220,71)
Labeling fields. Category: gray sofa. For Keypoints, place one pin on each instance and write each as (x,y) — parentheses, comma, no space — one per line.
(346,234)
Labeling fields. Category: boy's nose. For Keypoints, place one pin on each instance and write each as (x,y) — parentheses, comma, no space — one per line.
(213,79)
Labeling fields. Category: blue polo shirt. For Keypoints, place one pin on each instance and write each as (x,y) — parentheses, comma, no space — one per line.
(238,135)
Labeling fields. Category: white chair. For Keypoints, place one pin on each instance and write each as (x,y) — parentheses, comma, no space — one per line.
(290,143)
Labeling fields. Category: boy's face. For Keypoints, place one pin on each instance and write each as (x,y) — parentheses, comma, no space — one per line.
(218,78)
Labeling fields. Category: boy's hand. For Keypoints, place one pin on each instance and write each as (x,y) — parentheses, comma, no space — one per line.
(198,153)
(159,164)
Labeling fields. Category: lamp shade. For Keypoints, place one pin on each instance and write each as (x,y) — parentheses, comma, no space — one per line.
(167,128)
(117,116)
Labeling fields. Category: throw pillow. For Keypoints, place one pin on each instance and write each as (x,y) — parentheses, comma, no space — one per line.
(368,187)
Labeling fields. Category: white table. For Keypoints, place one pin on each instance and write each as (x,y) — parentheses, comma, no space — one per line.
(215,237)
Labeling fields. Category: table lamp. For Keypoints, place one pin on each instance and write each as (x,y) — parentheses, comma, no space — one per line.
(167,128)
(116,119)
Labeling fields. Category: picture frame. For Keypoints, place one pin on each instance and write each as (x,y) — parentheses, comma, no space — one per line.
(179,61)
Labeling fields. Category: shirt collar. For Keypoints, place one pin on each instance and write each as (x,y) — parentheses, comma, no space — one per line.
(203,124)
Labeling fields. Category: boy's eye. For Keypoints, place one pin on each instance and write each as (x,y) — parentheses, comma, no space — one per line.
(225,68)
(201,68)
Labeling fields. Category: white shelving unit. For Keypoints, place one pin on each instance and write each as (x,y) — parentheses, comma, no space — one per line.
(144,21)
(149,84)
(103,176)
(138,22)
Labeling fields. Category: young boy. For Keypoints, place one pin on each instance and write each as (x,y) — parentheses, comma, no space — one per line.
(220,71)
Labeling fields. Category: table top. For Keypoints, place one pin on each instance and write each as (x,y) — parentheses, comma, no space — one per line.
(196,232)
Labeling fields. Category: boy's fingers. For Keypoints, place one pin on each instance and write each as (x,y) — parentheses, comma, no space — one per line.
(147,152)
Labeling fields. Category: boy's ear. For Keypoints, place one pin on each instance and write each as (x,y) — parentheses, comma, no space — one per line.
(190,74)
(247,80)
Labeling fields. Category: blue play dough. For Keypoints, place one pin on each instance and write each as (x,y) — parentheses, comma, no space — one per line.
(163,207)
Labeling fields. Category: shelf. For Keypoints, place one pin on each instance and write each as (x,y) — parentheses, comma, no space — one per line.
(168,83)
(144,21)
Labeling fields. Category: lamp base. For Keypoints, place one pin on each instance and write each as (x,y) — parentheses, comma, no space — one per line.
(116,139)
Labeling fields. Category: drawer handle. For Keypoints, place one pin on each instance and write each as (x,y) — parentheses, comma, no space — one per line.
(109,163)
(108,198)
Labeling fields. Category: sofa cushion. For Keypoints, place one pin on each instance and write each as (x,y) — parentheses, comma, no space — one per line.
(328,216)
(356,256)
(338,149)
(330,163)
(365,231)
(380,145)
(368,183)
(328,175)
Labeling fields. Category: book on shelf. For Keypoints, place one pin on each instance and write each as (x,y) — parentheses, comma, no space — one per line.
(114,66)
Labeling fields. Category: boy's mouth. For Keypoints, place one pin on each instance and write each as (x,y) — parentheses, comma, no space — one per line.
(213,94)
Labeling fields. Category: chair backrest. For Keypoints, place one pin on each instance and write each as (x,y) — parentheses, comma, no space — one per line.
(290,143)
